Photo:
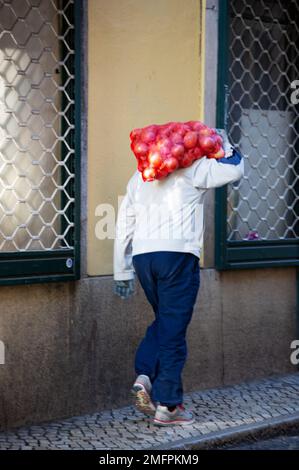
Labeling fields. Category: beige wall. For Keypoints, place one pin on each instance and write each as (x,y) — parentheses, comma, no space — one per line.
(145,67)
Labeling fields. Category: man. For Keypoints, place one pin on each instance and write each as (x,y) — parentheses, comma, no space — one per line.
(159,236)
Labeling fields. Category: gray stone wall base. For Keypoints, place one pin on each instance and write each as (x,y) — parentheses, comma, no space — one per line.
(70,346)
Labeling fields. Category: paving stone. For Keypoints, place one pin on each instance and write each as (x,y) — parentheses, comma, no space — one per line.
(127,428)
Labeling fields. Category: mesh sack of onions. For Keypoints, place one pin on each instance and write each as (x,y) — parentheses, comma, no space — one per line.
(162,149)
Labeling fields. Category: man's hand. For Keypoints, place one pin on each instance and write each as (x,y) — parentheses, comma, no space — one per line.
(124,289)
(228,148)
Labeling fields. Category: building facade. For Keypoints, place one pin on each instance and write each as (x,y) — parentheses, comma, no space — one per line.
(75,78)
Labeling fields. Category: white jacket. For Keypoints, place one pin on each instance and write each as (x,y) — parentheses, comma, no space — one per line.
(167,214)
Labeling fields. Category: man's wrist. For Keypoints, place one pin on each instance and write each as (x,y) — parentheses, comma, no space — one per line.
(127,276)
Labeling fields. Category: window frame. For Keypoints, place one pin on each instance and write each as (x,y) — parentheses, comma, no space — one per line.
(30,267)
(240,254)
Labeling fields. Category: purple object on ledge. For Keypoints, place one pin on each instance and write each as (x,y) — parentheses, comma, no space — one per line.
(252,235)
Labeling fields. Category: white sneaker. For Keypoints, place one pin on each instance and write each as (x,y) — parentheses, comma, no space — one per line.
(141,391)
(179,416)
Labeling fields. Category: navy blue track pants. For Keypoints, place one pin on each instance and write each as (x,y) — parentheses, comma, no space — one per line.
(171,282)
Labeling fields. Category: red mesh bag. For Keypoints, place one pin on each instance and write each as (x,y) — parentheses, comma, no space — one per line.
(161,149)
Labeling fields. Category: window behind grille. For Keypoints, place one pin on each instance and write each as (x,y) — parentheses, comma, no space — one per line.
(39,149)
(259,214)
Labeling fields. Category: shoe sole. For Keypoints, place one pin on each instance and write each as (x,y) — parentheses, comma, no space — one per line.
(143,400)
(159,422)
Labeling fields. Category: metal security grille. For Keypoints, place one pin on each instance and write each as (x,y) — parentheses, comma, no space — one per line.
(261,119)
(37,167)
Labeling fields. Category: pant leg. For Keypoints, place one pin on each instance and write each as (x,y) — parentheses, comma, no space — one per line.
(147,354)
(178,277)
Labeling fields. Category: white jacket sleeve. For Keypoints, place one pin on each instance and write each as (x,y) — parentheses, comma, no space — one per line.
(125,225)
(209,173)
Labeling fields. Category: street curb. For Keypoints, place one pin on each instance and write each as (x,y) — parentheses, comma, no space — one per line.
(264,430)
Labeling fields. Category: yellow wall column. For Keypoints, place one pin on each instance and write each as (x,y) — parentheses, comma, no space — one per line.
(145,67)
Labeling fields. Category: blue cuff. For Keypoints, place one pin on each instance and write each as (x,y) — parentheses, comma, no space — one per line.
(233,160)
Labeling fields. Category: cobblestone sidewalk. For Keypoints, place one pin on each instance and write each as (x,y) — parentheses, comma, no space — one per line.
(216,410)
